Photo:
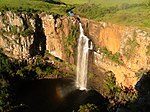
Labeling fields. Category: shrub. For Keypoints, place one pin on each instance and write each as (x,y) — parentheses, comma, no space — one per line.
(27,32)
(88,108)
(38,71)
(146,2)
(118,96)
(93,11)
(14,72)
(130,46)
(114,57)
(13,29)
(148,50)
(5,70)
(5,65)
(110,83)
(70,41)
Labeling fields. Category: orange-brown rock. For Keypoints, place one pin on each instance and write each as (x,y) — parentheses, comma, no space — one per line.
(111,39)
(20,46)
(130,42)
(115,38)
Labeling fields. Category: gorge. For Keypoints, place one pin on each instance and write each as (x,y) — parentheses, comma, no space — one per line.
(126,46)
(118,50)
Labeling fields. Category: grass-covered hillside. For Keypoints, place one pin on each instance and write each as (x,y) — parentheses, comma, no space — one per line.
(103,2)
(128,12)
(34,5)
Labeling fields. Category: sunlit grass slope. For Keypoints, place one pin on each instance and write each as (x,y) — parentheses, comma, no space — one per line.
(135,16)
(38,5)
(103,2)
(128,12)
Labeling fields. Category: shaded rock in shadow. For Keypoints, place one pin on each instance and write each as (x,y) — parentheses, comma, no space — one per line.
(42,95)
(143,88)
(76,98)
(57,95)
(39,43)
(142,103)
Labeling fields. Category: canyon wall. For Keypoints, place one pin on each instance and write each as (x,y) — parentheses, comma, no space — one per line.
(23,36)
(120,49)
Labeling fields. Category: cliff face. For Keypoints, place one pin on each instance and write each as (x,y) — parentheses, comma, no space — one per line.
(23,36)
(130,43)
(14,45)
(119,49)
(61,34)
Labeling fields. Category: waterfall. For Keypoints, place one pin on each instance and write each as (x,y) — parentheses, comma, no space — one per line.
(82,60)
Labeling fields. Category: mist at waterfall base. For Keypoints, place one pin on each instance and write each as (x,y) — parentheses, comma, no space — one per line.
(60,95)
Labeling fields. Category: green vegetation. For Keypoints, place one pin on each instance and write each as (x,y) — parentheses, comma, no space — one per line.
(13,29)
(103,2)
(118,96)
(13,72)
(147,2)
(39,70)
(130,46)
(33,6)
(88,108)
(92,11)
(114,57)
(148,50)
(111,83)
(27,32)
(4,63)
(71,40)
(133,13)
(134,16)
(5,67)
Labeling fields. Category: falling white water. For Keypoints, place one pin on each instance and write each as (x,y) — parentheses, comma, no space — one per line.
(82,60)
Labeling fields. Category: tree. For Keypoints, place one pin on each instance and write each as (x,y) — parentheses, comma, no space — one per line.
(88,108)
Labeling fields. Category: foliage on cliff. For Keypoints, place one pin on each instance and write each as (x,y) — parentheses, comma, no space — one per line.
(148,50)
(13,72)
(70,41)
(113,57)
(88,108)
(130,46)
(118,96)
